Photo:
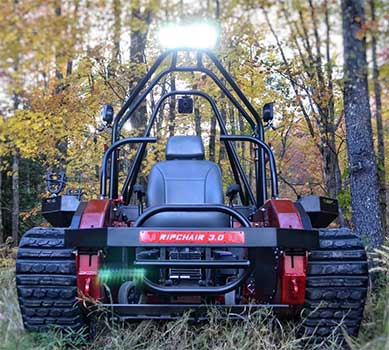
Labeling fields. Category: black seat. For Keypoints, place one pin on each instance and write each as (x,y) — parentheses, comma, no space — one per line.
(185,178)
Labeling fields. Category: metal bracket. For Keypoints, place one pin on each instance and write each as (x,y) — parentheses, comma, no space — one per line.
(56,182)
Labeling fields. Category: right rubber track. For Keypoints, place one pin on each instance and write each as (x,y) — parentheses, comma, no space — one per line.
(46,281)
(337,283)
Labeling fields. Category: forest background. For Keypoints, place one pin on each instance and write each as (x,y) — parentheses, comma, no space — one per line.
(60,61)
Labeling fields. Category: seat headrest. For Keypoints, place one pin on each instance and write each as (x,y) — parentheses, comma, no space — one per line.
(185,147)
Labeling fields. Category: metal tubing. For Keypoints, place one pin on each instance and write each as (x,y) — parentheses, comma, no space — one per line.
(108,152)
(261,165)
(135,93)
(115,130)
(199,290)
(212,75)
(213,264)
(231,152)
(134,101)
(267,149)
(235,87)
(132,104)
(192,208)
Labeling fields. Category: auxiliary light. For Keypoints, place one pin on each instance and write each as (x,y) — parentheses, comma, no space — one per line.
(195,36)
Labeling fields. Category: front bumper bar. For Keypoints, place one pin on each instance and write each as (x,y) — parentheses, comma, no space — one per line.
(264,237)
(260,262)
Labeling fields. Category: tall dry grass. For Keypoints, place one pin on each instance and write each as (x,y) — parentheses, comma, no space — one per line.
(262,330)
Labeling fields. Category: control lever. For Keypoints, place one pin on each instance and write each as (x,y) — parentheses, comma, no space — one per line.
(139,190)
(231,193)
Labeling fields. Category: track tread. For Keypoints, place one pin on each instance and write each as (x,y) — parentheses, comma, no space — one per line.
(46,267)
(26,253)
(46,281)
(337,282)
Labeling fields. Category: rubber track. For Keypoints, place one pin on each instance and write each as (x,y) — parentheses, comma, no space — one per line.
(46,281)
(337,282)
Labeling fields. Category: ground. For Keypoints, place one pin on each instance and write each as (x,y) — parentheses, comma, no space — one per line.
(261,331)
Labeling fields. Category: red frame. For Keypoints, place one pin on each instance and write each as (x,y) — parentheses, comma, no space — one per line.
(283,213)
(277,213)
(87,275)
(95,215)
(293,279)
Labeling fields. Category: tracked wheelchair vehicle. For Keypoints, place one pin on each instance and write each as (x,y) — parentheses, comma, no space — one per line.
(181,248)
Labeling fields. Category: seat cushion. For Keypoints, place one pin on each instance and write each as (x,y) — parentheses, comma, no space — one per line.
(186,182)
(185,147)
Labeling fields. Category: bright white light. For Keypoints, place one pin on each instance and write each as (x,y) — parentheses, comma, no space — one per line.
(196,36)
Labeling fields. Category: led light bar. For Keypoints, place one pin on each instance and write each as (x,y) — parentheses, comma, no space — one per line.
(195,35)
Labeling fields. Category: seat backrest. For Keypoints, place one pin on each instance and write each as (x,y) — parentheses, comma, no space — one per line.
(186,178)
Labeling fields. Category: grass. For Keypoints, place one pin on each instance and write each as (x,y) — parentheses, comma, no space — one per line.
(260,331)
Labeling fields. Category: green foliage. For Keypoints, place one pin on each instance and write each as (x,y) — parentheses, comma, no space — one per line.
(344,198)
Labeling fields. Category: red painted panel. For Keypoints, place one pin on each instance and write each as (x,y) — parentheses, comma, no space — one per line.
(87,276)
(282,213)
(191,237)
(293,279)
(95,214)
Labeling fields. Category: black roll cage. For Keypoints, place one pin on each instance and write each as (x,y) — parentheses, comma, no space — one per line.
(140,93)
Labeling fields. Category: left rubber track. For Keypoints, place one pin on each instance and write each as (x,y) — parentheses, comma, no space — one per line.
(46,282)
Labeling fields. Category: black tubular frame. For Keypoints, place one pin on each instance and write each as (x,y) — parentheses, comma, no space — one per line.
(192,208)
(231,152)
(245,108)
(182,290)
(269,152)
(110,150)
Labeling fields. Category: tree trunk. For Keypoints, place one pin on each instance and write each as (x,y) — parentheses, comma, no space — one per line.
(62,145)
(1,205)
(363,174)
(242,144)
(330,165)
(160,116)
(140,21)
(231,113)
(197,118)
(15,198)
(15,167)
(380,128)
(222,149)
(116,57)
(58,48)
(212,131)
(172,107)
(212,139)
